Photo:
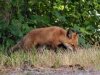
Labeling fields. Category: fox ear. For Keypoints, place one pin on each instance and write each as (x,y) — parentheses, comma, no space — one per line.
(74,35)
(69,33)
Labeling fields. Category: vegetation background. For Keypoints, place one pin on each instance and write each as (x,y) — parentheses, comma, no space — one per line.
(17,17)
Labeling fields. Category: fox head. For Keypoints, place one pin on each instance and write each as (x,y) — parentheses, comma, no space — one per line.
(73,39)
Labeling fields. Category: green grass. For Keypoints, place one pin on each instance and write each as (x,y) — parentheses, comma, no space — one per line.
(85,57)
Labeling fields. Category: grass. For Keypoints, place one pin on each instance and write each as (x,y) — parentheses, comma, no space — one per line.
(85,57)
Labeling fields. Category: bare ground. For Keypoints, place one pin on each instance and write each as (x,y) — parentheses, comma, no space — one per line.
(64,70)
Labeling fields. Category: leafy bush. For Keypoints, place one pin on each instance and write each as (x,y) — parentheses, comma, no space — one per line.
(17,17)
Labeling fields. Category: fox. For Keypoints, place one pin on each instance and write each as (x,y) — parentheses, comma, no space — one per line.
(51,36)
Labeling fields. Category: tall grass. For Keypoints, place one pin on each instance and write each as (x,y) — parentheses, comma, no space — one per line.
(84,57)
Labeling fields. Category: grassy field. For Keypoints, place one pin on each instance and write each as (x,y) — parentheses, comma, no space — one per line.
(85,57)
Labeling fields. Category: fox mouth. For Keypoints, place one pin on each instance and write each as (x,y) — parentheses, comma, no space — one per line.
(67,46)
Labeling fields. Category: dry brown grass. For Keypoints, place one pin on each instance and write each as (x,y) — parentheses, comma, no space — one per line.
(85,57)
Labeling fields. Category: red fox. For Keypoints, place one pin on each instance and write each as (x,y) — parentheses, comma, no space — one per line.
(52,36)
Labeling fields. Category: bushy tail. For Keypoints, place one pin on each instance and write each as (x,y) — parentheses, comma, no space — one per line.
(15,48)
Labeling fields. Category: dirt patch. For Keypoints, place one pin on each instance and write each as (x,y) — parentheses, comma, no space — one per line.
(48,71)
(62,70)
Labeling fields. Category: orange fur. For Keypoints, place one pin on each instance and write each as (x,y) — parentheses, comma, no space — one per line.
(52,36)
(74,41)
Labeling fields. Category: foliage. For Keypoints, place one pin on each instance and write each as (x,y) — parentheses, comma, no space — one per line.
(17,17)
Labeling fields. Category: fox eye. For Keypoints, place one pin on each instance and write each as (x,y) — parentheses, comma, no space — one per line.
(72,45)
